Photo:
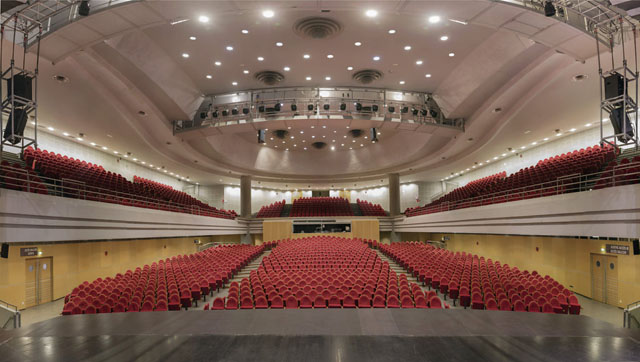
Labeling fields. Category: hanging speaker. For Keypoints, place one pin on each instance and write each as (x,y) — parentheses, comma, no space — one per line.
(4,251)
(22,86)
(636,247)
(19,123)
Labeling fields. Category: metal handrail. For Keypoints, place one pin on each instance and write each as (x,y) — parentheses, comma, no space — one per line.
(67,187)
(17,319)
(568,183)
(626,318)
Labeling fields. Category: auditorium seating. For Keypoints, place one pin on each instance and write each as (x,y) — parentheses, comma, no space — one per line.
(325,272)
(369,209)
(169,284)
(79,179)
(273,210)
(551,176)
(482,284)
(625,173)
(15,177)
(320,206)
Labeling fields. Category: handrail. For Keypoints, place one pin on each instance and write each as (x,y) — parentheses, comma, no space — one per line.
(17,318)
(67,187)
(568,183)
(626,317)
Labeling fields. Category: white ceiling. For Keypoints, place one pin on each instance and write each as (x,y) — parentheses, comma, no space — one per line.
(129,58)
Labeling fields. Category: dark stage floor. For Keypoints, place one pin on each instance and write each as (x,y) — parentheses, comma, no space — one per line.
(321,335)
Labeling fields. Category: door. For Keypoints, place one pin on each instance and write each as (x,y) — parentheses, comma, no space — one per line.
(604,278)
(38,281)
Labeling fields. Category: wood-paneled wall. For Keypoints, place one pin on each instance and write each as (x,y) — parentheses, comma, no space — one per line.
(283,229)
(74,263)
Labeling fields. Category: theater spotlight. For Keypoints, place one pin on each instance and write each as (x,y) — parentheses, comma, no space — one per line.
(225,113)
(234,111)
(326,107)
(549,9)
(374,107)
(83,9)
(414,111)
(245,110)
(215,114)
(294,107)
(423,112)
(405,109)
(343,107)
(310,107)
(433,113)
(358,107)
(261,109)
(277,107)
(392,109)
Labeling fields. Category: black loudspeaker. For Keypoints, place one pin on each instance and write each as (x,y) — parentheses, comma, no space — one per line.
(83,9)
(613,85)
(20,122)
(636,247)
(261,135)
(618,116)
(4,253)
(22,86)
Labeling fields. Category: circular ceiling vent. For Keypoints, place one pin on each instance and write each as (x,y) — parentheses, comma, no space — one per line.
(319,145)
(269,77)
(61,78)
(356,133)
(367,76)
(580,77)
(281,133)
(317,28)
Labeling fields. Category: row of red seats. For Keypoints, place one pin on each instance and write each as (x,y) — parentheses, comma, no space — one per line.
(325,272)
(169,284)
(480,283)
(626,173)
(15,177)
(80,179)
(552,176)
(273,210)
(369,209)
(321,206)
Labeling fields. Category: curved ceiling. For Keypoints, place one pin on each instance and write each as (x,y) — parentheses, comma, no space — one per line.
(131,58)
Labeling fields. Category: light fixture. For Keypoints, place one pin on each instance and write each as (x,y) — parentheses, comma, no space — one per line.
(51,129)
(333,148)
(357,43)
(79,139)
(279,44)
(185,55)
(549,9)
(308,78)
(588,125)
(572,130)
(376,58)
(419,62)
(330,56)
(371,13)
(209,76)
(246,71)
(534,143)
(349,68)
(433,19)
(234,83)
(452,54)
(217,63)
(260,59)
(229,48)
(545,139)
(105,148)
(93,143)
(65,134)
(523,147)
(268,13)
(245,31)
(192,37)
(392,31)
(558,134)
(427,75)
(327,78)
(444,38)
(203,19)
(407,47)
(306,56)
(286,69)
(401,82)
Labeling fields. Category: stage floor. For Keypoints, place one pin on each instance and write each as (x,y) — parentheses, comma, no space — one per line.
(321,335)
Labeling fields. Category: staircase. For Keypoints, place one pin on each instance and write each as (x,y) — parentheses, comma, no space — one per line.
(286,210)
(356,210)
(13,158)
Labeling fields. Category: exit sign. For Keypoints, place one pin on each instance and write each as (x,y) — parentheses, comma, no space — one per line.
(617,249)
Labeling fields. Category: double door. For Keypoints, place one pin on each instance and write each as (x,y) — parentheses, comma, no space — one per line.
(38,282)
(604,278)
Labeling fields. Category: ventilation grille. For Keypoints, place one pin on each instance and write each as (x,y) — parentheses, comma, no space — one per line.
(367,76)
(269,77)
(281,133)
(317,28)
(319,145)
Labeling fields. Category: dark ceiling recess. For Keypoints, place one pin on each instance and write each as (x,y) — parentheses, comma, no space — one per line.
(319,145)
(356,133)
(269,77)
(367,76)
(280,133)
(317,27)
(7,5)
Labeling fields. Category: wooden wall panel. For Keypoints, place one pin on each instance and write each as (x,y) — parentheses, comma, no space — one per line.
(283,229)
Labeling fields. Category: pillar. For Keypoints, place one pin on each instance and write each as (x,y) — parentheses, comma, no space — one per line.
(245,196)
(394,194)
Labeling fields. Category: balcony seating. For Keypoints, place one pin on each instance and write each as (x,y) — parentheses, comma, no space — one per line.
(484,284)
(15,177)
(273,210)
(551,176)
(369,209)
(330,271)
(320,206)
(79,179)
(165,285)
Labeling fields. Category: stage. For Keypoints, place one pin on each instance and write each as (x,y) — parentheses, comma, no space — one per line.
(321,335)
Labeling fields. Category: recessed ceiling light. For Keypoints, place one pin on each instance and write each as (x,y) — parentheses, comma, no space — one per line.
(357,43)
(419,62)
(558,134)
(376,58)
(203,19)
(279,44)
(246,71)
(333,148)
(260,59)
(371,13)
(572,130)
(104,148)
(192,37)
(349,68)
(327,78)
(534,143)
(330,56)
(407,47)
(402,82)
(65,134)
(217,63)
(545,139)
(523,147)
(452,54)
(229,48)
(234,83)
(116,152)
(444,38)
(185,55)
(51,129)
(306,56)
(392,31)
(209,76)
(588,125)
(79,139)
(245,31)
(308,78)
(427,75)
(268,13)
(434,19)
(286,69)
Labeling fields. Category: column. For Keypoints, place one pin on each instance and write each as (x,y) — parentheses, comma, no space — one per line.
(245,196)
(394,194)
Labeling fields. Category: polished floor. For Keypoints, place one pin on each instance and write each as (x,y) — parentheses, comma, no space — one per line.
(321,335)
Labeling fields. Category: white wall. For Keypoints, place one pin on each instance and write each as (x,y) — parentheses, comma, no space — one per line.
(532,155)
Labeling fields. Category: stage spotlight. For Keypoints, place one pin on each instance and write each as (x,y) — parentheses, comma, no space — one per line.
(225,113)
(433,113)
(277,107)
(245,110)
(326,107)
(374,107)
(423,112)
(215,114)
(83,9)
(414,111)
(261,109)
(294,107)
(392,109)
(234,111)
(405,109)
(203,115)
(549,9)
(358,107)
(310,107)
(343,107)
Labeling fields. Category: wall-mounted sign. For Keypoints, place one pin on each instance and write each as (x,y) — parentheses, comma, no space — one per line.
(617,249)
(32,251)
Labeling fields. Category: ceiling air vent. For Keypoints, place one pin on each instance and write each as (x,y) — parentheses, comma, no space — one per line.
(317,28)
(367,76)
(356,133)
(281,133)
(269,77)
(319,145)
